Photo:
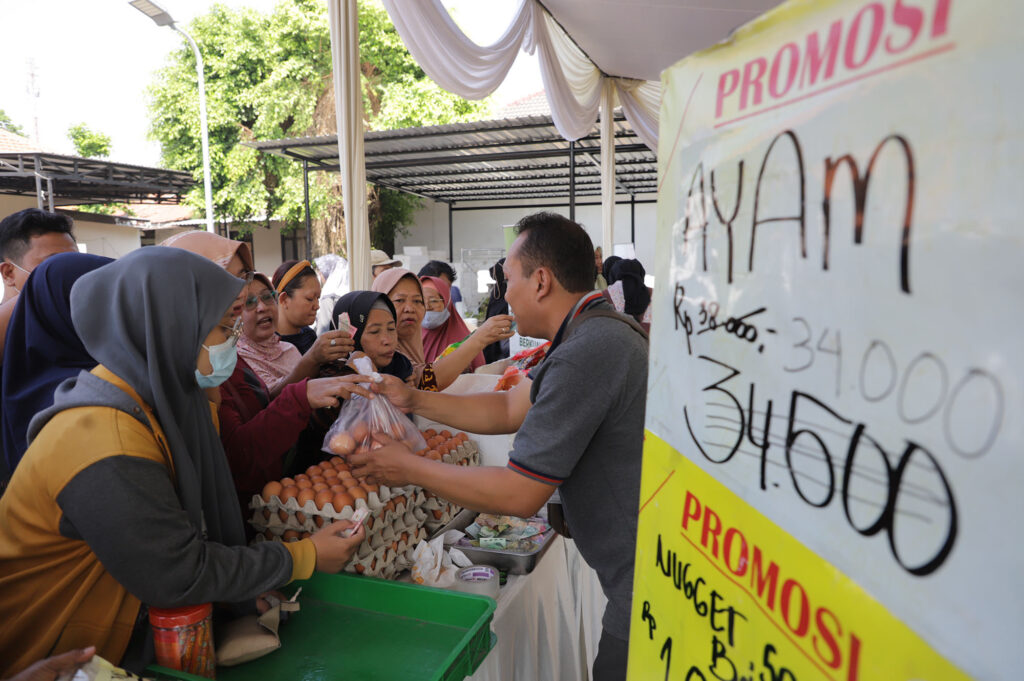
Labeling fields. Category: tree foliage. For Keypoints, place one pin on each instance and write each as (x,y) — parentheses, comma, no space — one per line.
(89,143)
(268,76)
(10,126)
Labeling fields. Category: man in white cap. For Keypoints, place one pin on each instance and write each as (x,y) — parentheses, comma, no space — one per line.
(380,261)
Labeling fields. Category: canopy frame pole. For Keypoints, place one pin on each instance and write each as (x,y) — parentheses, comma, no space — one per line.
(572,180)
(305,198)
(451,241)
(632,220)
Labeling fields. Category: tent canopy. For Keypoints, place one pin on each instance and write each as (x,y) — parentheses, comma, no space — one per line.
(641,38)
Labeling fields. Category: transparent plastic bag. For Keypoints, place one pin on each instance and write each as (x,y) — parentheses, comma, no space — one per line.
(364,425)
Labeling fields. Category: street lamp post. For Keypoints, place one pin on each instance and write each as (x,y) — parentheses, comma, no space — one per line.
(162,18)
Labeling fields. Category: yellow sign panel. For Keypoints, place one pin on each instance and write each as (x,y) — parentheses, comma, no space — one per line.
(730,596)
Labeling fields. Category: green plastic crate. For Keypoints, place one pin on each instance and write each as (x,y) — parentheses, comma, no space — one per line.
(367,629)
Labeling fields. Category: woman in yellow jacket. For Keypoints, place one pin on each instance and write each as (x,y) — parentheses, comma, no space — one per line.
(124,497)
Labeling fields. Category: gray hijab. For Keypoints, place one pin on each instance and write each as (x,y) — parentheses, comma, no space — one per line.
(144,317)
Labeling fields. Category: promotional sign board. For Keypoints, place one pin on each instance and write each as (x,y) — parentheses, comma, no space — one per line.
(834,442)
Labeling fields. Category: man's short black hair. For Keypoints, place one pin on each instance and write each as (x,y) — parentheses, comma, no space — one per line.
(17,230)
(562,246)
(436,268)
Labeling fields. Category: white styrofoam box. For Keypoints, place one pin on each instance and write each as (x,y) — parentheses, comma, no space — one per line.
(494,449)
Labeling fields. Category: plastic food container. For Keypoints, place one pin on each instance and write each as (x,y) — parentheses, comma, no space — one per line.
(371,629)
(183,638)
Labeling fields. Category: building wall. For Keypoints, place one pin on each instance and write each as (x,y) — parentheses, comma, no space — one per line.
(478,235)
(479,229)
(109,240)
(94,236)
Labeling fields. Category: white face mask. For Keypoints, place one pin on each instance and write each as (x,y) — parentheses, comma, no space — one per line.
(222,358)
(16,289)
(432,319)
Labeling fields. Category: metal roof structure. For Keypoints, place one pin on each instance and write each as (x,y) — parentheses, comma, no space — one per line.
(510,159)
(71,180)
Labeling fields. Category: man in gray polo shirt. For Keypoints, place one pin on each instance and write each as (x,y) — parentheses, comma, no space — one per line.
(579,417)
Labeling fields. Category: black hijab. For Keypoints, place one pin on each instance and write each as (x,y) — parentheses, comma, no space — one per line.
(358,305)
(607,266)
(631,273)
(145,317)
(42,347)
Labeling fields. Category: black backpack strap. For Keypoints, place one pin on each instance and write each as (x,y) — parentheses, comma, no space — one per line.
(611,314)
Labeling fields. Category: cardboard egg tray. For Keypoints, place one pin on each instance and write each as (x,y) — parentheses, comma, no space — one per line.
(399,518)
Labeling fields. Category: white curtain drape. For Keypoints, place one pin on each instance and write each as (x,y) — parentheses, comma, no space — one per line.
(344,20)
(576,89)
(573,84)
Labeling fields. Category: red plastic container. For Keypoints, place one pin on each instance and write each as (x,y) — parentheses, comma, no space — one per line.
(183,638)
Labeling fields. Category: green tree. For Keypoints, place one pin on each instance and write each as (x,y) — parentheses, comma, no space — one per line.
(89,143)
(10,126)
(268,76)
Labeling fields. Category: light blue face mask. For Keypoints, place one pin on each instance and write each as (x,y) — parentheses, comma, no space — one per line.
(433,319)
(223,358)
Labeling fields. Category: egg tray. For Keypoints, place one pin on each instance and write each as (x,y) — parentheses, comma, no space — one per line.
(308,518)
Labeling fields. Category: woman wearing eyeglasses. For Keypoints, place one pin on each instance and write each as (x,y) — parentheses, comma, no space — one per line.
(258,429)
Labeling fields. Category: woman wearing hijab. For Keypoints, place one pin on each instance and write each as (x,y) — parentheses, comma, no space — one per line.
(42,347)
(258,431)
(442,324)
(124,497)
(406,293)
(371,316)
(281,367)
(629,294)
(608,266)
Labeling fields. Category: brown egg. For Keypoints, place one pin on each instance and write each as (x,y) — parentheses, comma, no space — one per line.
(313,470)
(272,489)
(341,500)
(351,483)
(300,516)
(360,432)
(266,514)
(360,569)
(362,450)
(358,493)
(394,546)
(305,535)
(445,434)
(290,535)
(342,443)
(429,433)
(421,452)
(317,478)
(269,535)
(434,454)
(335,460)
(344,475)
(287,482)
(443,449)
(320,486)
(343,468)
(301,476)
(323,498)
(437,514)
(283,515)
(319,520)
(289,492)
(371,488)
(305,495)
(330,473)
(338,488)
(303,484)
(390,506)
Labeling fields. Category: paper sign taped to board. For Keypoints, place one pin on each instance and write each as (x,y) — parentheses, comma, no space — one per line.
(835,376)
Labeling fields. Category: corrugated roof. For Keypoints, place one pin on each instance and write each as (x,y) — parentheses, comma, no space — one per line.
(518,158)
(75,180)
(530,105)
